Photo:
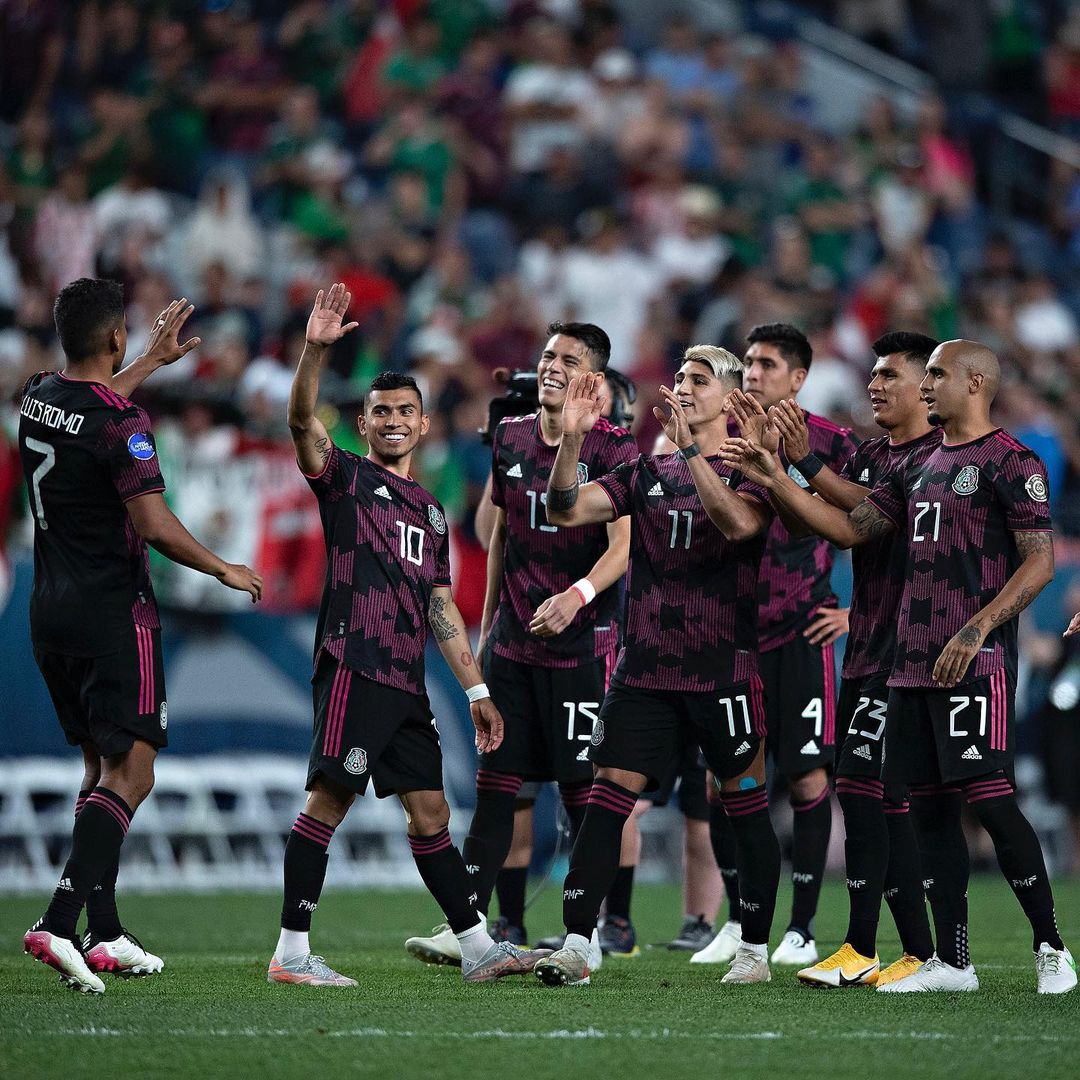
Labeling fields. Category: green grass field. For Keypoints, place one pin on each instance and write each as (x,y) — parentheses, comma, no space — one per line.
(212,1012)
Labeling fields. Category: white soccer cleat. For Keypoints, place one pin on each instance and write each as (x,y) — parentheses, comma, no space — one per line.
(567,967)
(1055,969)
(596,955)
(500,960)
(934,975)
(65,956)
(795,950)
(306,970)
(749,966)
(123,956)
(722,948)
(442,947)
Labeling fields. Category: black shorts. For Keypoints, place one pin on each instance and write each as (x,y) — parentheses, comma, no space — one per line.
(800,692)
(861,712)
(688,772)
(548,716)
(110,701)
(644,731)
(364,729)
(938,736)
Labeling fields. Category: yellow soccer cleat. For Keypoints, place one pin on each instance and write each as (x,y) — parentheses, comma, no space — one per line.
(845,967)
(899,969)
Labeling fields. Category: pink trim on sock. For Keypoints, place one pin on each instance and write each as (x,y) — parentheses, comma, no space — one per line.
(98,798)
(430,845)
(498,783)
(857,785)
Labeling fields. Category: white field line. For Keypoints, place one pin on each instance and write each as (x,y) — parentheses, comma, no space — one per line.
(561,1033)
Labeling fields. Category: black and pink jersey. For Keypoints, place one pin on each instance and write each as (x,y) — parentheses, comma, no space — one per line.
(795,573)
(85,452)
(387,547)
(540,560)
(878,567)
(691,595)
(958,509)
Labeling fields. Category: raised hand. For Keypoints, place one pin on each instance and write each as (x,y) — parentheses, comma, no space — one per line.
(753,421)
(676,426)
(751,459)
(789,420)
(583,403)
(324,326)
(163,346)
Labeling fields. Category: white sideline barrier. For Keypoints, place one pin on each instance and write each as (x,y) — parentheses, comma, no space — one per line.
(211,823)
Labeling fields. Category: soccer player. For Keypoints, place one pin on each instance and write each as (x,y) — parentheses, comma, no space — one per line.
(388,573)
(96,496)
(974,514)
(687,671)
(551,618)
(798,622)
(880,846)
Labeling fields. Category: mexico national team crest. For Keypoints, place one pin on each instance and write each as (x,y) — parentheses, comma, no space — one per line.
(597,733)
(582,473)
(435,516)
(967,480)
(1035,486)
(356,761)
(163,715)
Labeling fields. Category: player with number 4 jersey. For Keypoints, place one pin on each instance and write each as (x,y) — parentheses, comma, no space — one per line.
(687,672)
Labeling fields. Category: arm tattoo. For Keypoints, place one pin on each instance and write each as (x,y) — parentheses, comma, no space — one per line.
(563,498)
(322,447)
(1031,543)
(1014,609)
(441,626)
(969,635)
(869,522)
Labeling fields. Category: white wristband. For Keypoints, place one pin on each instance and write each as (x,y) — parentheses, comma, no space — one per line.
(477,692)
(586,588)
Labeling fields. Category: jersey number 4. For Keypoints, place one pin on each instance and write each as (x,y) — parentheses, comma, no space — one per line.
(39,474)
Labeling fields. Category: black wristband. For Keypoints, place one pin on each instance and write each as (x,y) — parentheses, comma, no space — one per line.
(810,465)
(686,453)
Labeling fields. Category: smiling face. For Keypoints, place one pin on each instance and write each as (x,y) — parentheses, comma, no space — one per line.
(563,358)
(392,423)
(768,377)
(895,397)
(701,393)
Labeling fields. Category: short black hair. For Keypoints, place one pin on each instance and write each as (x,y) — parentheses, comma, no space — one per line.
(85,313)
(915,347)
(393,380)
(791,343)
(589,334)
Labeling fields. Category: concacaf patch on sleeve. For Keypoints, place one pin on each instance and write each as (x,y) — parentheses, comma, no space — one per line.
(435,516)
(139,446)
(1035,486)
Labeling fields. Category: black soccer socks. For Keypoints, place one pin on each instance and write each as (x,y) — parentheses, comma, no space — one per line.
(866,854)
(946,867)
(1018,853)
(621,893)
(722,837)
(102,918)
(758,861)
(305,870)
(510,887)
(811,827)
(443,871)
(575,797)
(595,858)
(99,831)
(904,891)
(491,832)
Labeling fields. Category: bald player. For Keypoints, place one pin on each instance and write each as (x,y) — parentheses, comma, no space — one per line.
(976,517)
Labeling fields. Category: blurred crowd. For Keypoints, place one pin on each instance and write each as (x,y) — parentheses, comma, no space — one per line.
(472,169)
